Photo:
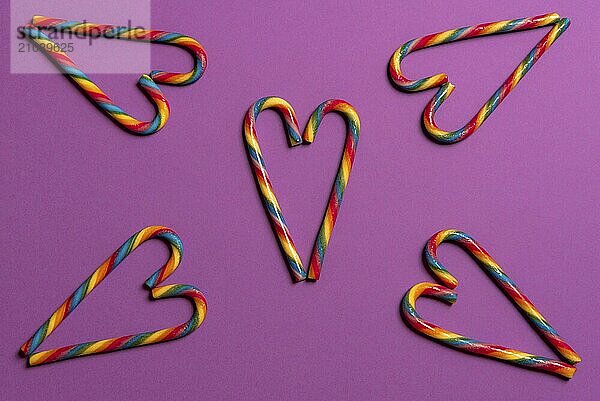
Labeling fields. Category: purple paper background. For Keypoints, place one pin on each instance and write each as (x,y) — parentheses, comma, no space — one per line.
(525,185)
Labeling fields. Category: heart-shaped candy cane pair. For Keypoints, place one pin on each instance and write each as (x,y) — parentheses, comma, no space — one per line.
(444,292)
(266,189)
(147,82)
(446,88)
(158,292)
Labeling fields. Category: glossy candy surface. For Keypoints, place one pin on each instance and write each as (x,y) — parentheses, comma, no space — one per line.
(147,82)
(559,25)
(152,283)
(275,214)
(445,293)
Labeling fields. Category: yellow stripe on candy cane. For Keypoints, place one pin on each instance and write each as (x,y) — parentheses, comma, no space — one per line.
(99,346)
(157,336)
(443,36)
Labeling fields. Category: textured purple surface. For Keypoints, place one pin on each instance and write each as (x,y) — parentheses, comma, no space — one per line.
(525,186)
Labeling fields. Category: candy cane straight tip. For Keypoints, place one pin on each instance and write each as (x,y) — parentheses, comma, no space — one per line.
(193,294)
(462,343)
(559,25)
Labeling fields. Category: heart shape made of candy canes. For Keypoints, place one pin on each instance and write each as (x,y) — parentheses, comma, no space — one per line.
(189,292)
(446,88)
(147,82)
(524,305)
(266,189)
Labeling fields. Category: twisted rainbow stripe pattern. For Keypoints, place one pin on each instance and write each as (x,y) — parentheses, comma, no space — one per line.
(129,341)
(266,189)
(559,25)
(147,82)
(508,286)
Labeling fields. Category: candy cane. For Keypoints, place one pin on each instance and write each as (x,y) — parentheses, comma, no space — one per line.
(341,179)
(158,292)
(270,201)
(145,35)
(462,343)
(559,25)
(508,286)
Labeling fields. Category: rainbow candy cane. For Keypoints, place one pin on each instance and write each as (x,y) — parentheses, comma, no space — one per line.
(268,195)
(147,83)
(519,299)
(559,25)
(158,292)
